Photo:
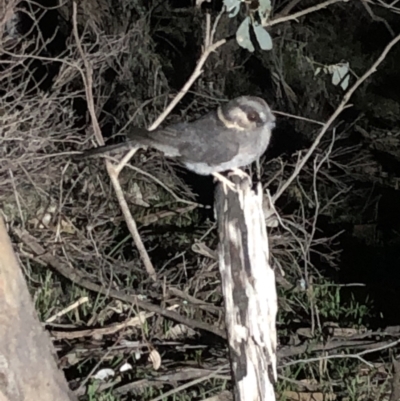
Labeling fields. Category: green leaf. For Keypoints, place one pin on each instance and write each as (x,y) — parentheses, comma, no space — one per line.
(263,37)
(339,72)
(243,35)
(345,82)
(232,7)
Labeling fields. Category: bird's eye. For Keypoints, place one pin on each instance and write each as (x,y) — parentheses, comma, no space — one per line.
(253,116)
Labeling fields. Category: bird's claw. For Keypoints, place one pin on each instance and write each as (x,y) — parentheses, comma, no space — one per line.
(226,183)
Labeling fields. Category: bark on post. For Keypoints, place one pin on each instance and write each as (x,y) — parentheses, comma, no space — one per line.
(27,366)
(248,284)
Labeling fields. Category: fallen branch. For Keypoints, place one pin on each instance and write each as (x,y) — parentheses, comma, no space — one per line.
(41,255)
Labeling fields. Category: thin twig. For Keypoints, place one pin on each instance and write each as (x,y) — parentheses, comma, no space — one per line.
(79,278)
(309,120)
(87,77)
(302,13)
(161,184)
(377,18)
(125,160)
(130,222)
(333,117)
(191,383)
(112,171)
(16,196)
(196,73)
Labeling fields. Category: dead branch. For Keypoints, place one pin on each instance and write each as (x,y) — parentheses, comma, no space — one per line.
(77,277)
(248,284)
(27,366)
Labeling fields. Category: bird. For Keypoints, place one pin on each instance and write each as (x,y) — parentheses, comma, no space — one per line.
(234,135)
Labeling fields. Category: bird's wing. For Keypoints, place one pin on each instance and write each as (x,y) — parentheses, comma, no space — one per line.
(217,150)
(203,140)
(208,141)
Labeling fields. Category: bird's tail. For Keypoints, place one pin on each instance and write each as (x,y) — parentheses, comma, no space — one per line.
(105,150)
(139,133)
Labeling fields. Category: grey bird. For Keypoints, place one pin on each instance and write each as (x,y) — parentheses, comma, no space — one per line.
(232,136)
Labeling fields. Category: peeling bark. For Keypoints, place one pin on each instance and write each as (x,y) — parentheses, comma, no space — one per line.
(248,283)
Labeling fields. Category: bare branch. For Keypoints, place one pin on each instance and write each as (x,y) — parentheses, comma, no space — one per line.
(112,171)
(208,49)
(303,12)
(333,117)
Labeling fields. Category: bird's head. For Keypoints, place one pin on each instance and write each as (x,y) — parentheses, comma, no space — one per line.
(246,113)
